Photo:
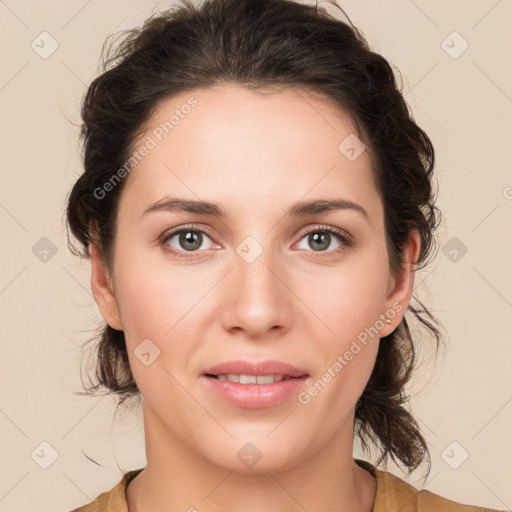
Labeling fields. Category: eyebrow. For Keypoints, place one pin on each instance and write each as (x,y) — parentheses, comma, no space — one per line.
(299,209)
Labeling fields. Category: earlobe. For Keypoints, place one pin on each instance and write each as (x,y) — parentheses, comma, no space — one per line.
(102,289)
(402,285)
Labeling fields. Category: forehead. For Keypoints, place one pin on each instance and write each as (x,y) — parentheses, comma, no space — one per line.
(242,147)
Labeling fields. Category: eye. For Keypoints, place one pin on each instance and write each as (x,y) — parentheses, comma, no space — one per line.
(185,240)
(321,239)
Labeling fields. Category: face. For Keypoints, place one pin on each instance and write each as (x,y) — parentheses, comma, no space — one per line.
(267,280)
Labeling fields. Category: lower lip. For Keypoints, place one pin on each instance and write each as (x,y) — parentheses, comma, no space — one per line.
(254,396)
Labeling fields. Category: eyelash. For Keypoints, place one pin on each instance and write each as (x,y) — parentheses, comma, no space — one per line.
(344,238)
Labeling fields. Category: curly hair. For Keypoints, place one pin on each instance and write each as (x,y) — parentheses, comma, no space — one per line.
(268,43)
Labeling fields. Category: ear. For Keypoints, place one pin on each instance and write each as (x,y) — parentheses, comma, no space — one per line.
(102,289)
(401,286)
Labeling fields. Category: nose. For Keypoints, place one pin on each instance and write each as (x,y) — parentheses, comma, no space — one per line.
(257,299)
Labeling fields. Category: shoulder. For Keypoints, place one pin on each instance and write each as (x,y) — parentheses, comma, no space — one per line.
(113,500)
(429,501)
(395,494)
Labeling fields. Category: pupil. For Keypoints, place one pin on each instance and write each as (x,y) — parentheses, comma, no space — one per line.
(190,237)
(317,236)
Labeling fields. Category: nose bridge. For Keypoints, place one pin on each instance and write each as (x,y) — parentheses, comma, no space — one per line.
(257,297)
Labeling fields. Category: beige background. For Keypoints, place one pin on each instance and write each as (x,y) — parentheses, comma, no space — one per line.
(47,310)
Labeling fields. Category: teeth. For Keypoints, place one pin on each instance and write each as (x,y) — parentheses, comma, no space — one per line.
(266,379)
(243,379)
(252,379)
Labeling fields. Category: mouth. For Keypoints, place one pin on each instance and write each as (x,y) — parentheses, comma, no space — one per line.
(254,384)
(252,379)
(254,391)
(254,372)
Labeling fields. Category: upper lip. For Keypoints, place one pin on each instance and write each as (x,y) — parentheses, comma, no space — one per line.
(255,368)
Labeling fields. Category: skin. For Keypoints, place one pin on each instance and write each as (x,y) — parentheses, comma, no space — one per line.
(256,154)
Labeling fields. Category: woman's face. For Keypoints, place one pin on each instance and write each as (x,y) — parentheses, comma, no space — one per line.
(266,281)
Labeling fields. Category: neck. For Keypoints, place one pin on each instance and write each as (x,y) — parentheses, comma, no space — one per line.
(178,478)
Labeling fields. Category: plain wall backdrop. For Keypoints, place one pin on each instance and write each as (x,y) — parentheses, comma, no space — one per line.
(455,60)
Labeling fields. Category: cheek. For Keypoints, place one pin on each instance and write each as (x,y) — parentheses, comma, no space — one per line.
(155,295)
(348,299)
(349,304)
(348,361)
(165,304)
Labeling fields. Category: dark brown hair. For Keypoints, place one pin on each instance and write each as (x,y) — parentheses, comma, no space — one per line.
(262,44)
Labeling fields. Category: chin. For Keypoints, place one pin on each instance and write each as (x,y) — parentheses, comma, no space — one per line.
(256,454)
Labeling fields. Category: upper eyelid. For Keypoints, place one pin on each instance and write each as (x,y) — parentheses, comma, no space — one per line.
(326,227)
(179,229)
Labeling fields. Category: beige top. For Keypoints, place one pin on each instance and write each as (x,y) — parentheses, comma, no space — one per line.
(393,495)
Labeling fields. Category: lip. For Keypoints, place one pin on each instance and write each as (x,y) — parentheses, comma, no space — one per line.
(255,396)
(268,367)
